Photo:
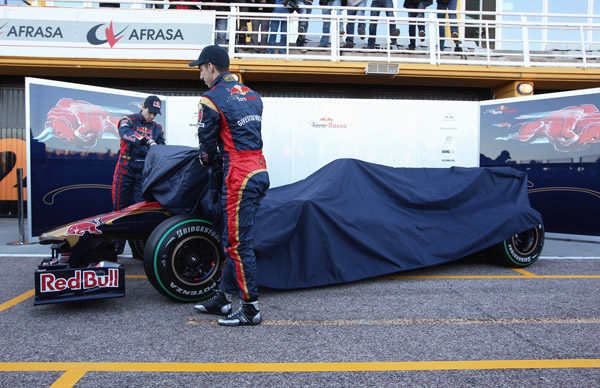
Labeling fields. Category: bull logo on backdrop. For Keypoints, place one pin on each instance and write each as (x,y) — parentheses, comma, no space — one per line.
(79,123)
(568,129)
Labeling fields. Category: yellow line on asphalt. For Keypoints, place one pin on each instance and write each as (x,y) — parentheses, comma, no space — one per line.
(77,367)
(69,378)
(490,277)
(523,272)
(136,276)
(415,321)
(17,300)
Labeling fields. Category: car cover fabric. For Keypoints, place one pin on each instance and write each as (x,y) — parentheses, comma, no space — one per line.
(175,178)
(353,220)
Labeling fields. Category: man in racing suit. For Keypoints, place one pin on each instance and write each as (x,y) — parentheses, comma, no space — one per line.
(229,117)
(138,133)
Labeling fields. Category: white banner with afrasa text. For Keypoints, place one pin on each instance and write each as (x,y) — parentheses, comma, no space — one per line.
(301,135)
(104,33)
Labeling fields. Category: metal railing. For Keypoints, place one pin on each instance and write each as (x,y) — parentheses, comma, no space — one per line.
(484,38)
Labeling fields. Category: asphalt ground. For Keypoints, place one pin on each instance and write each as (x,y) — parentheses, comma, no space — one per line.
(467,323)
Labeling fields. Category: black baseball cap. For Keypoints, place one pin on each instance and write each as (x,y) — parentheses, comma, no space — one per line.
(214,54)
(153,104)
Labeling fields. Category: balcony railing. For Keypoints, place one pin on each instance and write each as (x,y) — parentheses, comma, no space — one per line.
(484,38)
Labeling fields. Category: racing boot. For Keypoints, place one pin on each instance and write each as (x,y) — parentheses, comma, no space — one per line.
(247,314)
(219,304)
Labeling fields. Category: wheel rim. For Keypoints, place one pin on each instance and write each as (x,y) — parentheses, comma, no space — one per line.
(524,243)
(195,259)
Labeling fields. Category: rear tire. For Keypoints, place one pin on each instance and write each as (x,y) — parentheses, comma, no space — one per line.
(521,250)
(183,258)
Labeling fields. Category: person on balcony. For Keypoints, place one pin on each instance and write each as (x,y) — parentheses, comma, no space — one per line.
(286,7)
(448,5)
(373,25)
(262,24)
(221,21)
(350,26)
(326,24)
(420,5)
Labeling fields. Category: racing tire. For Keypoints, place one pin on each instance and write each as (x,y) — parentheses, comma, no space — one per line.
(521,250)
(137,248)
(183,258)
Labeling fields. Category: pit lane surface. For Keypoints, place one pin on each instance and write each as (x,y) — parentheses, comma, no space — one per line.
(467,323)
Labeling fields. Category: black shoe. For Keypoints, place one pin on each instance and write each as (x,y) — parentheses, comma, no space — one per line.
(219,304)
(247,314)
(411,47)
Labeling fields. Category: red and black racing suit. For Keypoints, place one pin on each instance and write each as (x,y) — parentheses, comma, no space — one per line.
(135,132)
(229,116)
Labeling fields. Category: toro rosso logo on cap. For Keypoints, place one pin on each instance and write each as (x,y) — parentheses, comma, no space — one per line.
(111,37)
(80,228)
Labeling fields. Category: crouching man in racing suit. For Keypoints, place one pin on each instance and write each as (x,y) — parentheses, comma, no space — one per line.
(229,116)
(138,133)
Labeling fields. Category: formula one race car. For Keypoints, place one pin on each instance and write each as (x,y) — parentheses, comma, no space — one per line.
(184,255)
(350,220)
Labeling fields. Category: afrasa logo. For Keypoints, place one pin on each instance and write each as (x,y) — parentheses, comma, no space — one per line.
(96,37)
(111,37)
(31,31)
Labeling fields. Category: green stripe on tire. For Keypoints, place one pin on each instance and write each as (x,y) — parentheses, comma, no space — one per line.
(156,252)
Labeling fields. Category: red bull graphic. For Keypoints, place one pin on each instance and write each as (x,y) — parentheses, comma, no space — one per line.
(239,89)
(81,280)
(240,93)
(82,227)
(569,128)
(79,122)
(555,139)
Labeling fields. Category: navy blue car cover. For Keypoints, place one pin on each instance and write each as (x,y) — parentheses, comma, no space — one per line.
(353,220)
(174,177)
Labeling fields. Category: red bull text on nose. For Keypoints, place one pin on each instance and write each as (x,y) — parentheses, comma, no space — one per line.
(81,280)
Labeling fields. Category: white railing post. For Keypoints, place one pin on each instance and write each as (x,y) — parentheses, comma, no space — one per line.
(583,54)
(526,58)
(433,37)
(487,43)
(232,27)
(335,36)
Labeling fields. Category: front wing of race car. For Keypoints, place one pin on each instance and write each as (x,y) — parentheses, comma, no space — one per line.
(83,261)
(56,282)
